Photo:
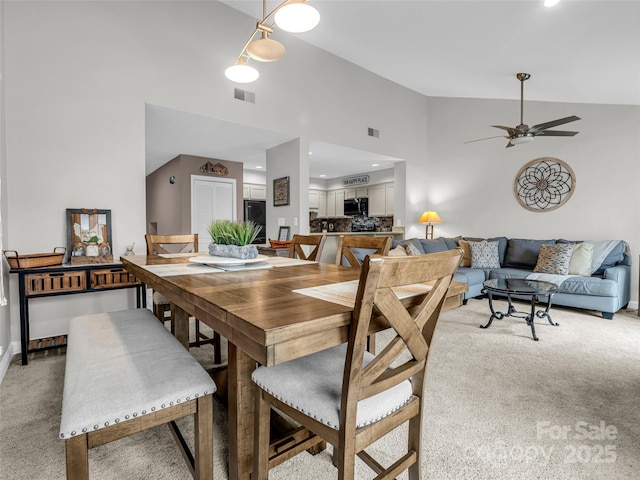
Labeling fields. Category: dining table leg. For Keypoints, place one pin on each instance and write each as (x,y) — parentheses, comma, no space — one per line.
(241,408)
(181,325)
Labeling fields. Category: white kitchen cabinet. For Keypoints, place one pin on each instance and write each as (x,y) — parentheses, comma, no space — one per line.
(381,200)
(389,200)
(349,193)
(322,203)
(331,203)
(314,199)
(340,203)
(252,191)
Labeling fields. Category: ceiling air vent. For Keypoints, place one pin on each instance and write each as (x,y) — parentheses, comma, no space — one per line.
(243,95)
(372,132)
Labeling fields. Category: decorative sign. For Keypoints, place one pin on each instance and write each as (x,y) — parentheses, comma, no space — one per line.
(281,191)
(217,169)
(544,184)
(352,181)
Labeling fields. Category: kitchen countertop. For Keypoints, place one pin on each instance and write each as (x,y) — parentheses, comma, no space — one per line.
(336,234)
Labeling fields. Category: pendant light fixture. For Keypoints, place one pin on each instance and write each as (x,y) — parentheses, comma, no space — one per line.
(293,16)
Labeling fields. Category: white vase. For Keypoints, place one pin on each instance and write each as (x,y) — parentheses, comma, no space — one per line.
(92,250)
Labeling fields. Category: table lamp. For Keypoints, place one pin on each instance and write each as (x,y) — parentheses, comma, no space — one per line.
(430,218)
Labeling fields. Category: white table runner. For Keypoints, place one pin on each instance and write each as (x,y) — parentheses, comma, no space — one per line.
(344,293)
(196,268)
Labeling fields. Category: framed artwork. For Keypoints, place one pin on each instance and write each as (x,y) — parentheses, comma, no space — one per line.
(89,238)
(283,234)
(544,184)
(281,191)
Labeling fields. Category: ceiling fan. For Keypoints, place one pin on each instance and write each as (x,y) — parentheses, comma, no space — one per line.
(525,134)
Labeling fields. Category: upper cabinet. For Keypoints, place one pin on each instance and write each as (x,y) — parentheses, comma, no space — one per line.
(252,191)
(381,200)
(318,202)
(351,193)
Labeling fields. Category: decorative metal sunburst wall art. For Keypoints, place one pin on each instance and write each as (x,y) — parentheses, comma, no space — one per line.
(544,184)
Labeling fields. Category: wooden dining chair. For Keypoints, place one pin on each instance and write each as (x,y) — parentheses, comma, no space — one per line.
(172,244)
(351,398)
(300,241)
(353,248)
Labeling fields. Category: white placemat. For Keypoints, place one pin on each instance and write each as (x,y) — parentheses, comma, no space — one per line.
(344,293)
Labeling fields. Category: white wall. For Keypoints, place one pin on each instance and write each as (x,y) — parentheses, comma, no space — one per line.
(78,75)
(471,185)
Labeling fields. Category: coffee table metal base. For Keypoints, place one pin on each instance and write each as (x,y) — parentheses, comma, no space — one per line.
(529,317)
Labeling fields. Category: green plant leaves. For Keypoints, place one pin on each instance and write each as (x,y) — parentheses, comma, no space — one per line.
(226,232)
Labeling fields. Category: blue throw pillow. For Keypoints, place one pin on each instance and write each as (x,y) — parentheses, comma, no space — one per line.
(433,245)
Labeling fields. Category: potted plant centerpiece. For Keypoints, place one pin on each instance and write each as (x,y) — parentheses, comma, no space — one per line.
(233,239)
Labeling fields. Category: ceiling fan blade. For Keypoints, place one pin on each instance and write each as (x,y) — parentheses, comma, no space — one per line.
(487,138)
(555,133)
(512,131)
(553,123)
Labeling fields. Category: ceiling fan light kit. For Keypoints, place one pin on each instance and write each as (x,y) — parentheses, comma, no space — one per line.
(522,133)
(293,16)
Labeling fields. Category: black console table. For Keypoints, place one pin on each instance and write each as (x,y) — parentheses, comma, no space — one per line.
(67,280)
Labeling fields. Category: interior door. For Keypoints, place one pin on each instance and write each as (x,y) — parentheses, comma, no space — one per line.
(212,198)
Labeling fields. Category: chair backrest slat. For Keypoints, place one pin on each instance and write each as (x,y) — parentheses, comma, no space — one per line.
(380,293)
(315,241)
(347,244)
(182,243)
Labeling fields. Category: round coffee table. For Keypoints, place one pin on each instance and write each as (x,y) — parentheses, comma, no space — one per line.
(534,289)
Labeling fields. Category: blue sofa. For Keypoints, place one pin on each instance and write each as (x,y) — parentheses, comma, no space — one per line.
(607,290)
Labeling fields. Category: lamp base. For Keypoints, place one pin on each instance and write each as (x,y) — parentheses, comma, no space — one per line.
(429,231)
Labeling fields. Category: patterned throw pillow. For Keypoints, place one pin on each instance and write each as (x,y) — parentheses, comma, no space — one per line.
(399,251)
(554,258)
(484,254)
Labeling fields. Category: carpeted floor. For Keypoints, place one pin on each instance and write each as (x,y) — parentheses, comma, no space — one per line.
(498,406)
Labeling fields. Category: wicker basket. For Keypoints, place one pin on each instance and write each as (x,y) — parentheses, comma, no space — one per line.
(280,244)
(35,260)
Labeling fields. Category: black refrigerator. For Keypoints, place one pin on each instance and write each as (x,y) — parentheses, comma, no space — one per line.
(256,212)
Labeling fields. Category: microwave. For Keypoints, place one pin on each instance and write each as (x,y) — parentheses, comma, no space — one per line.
(356,206)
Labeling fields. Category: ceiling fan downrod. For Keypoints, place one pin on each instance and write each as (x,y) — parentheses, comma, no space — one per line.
(522,77)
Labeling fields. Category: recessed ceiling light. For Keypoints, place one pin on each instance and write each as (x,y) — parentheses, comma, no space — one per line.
(310,153)
(258,167)
(323,175)
(375,164)
(550,3)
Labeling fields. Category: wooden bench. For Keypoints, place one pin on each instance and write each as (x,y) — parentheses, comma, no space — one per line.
(126,373)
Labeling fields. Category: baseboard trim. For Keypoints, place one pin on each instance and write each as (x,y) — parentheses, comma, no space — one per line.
(5,361)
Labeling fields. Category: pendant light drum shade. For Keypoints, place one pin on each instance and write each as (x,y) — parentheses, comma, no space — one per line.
(297,18)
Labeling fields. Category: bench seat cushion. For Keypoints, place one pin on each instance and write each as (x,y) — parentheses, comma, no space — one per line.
(121,365)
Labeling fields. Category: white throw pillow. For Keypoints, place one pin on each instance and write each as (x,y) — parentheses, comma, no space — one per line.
(580,263)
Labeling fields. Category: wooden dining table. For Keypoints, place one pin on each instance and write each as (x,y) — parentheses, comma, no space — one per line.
(270,312)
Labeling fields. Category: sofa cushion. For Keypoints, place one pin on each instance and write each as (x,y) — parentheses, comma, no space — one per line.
(414,247)
(484,254)
(554,258)
(466,253)
(433,245)
(523,253)
(450,242)
(502,245)
(580,263)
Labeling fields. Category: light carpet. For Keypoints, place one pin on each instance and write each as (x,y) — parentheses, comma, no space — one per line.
(498,406)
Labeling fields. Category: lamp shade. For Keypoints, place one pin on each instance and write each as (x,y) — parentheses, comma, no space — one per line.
(297,18)
(265,50)
(241,73)
(430,217)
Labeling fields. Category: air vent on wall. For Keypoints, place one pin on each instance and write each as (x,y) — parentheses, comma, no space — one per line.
(244,95)
(372,132)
